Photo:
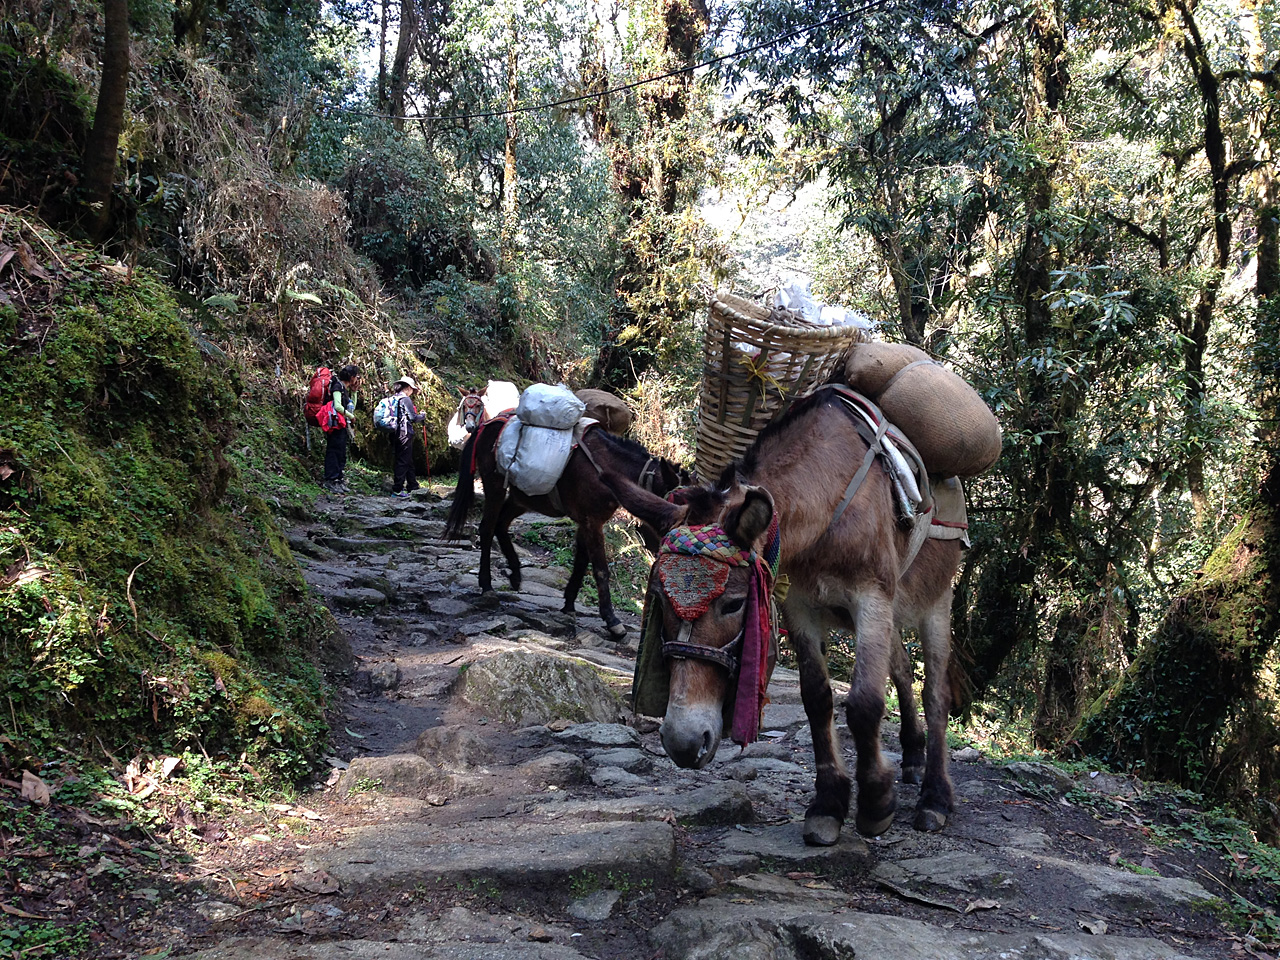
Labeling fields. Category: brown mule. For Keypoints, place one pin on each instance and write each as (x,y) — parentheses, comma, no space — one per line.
(581,494)
(842,575)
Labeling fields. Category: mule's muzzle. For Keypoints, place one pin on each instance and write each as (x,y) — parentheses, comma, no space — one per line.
(690,737)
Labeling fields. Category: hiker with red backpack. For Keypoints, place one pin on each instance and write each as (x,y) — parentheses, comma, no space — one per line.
(396,414)
(334,417)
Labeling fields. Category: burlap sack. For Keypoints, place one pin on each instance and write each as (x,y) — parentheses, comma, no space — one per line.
(870,366)
(614,415)
(955,432)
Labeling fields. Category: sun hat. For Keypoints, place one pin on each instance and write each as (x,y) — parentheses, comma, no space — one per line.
(407,381)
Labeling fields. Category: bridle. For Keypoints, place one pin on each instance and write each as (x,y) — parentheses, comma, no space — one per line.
(728,656)
(472,412)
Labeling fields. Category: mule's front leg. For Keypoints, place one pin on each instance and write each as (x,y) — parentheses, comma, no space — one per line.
(937,798)
(826,815)
(912,734)
(591,542)
(510,510)
(493,504)
(579,571)
(864,708)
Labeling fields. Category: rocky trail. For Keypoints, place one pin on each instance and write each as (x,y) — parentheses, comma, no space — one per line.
(491,797)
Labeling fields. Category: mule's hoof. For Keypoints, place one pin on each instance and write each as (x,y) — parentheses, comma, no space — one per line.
(912,774)
(873,828)
(618,630)
(930,821)
(821,831)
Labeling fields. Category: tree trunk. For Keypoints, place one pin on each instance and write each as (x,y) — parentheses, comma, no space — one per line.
(100,160)
(382,57)
(510,193)
(400,65)
(649,173)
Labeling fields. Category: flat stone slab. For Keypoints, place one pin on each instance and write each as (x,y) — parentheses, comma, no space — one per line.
(404,854)
(599,735)
(786,842)
(357,545)
(717,803)
(964,872)
(348,598)
(295,949)
(1131,890)
(721,928)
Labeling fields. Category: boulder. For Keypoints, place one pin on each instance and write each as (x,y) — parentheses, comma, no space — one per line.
(454,747)
(524,687)
(400,774)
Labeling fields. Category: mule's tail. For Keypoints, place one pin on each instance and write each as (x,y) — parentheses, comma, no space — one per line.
(464,494)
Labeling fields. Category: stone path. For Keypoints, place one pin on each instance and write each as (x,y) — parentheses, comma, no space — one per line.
(492,797)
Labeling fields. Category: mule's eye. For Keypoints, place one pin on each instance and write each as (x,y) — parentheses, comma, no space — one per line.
(733,606)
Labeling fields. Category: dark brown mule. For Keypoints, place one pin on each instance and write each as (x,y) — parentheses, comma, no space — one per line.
(580,494)
(843,576)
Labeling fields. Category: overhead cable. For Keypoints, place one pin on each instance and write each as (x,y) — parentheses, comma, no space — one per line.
(533,107)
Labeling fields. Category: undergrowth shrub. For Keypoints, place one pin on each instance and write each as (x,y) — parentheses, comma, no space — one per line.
(406,219)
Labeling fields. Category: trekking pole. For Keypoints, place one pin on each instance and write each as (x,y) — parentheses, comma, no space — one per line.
(426,453)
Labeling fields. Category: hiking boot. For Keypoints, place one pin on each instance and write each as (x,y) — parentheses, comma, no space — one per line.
(401,494)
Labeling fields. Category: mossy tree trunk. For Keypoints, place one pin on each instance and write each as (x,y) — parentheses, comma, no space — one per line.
(99,160)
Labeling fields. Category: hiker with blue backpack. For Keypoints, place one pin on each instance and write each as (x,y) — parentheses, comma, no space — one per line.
(396,414)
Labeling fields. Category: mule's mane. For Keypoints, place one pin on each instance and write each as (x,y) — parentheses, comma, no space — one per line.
(632,449)
(751,459)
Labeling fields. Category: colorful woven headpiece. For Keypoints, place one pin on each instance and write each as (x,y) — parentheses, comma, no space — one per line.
(693,568)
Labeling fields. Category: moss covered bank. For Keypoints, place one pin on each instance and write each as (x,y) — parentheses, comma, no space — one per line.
(147,600)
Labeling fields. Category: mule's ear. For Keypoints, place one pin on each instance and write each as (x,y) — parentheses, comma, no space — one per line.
(747,522)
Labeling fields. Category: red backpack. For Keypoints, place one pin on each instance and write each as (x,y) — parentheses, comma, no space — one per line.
(317,395)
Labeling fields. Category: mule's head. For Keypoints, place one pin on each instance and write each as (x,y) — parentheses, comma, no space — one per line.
(700,591)
(471,409)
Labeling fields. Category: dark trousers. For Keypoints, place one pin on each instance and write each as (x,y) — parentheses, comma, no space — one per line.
(404,474)
(335,455)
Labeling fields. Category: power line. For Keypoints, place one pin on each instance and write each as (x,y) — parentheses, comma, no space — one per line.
(621,87)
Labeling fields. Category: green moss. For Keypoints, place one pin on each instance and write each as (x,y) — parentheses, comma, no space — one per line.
(1171,714)
(155,605)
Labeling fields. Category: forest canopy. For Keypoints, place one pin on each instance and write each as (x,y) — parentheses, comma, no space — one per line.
(1072,202)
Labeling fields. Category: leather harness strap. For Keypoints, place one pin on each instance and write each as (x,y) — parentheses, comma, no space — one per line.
(726,656)
(873,439)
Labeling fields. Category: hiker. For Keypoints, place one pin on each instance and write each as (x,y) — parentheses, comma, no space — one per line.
(342,391)
(405,481)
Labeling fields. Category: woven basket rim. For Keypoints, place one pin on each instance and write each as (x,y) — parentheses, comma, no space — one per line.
(801,330)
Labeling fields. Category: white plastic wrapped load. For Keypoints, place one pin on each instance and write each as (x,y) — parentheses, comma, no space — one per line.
(542,405)
(457,432)
(500,396)
(533,457)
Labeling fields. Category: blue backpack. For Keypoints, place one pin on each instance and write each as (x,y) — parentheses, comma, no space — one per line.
(386,415)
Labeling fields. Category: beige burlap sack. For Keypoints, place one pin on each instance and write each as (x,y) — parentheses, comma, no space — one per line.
(955,432)
(870,366)
(614,415)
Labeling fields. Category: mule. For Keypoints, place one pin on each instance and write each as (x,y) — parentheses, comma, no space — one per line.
(580,494)
(843,573)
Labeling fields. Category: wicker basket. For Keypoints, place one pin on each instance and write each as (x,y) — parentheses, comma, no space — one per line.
(743,391)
